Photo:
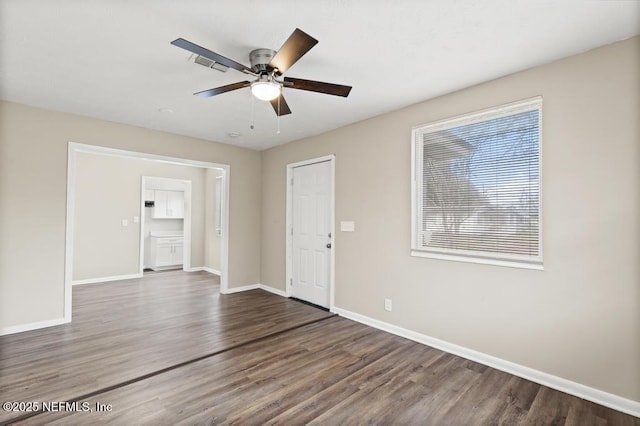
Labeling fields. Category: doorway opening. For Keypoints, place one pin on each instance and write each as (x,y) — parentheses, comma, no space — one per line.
(165,224)
(102,266)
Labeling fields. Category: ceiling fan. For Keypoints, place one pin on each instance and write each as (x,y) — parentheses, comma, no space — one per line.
(267,66)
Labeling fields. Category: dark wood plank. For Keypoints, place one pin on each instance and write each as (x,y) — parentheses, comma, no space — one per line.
(338,372)
(127,329)
(333,371)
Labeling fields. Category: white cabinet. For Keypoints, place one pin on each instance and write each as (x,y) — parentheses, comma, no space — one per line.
(166,252)
(168,205)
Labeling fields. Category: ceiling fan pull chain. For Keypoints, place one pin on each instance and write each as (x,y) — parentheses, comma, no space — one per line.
(278,132)
(252,114)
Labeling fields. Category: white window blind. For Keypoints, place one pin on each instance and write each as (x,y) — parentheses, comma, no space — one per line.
(477,186)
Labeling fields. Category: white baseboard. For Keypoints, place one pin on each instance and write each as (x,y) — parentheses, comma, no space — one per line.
(204,268)
(255,287)
(272,290)
(106,279)
(581,391)
(243,288)
(31,326)
(211,270)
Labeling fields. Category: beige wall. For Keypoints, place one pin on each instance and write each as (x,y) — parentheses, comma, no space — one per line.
(579,318)
(213,242)
(107,190)
(33,168)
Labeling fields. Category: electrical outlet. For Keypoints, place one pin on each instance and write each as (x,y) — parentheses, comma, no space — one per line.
(387,304)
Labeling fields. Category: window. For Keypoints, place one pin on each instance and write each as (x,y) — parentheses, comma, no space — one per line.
(476,187)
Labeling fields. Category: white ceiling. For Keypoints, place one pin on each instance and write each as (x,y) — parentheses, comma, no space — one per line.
(111,59)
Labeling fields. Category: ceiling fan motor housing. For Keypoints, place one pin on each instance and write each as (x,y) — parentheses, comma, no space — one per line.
(260,59)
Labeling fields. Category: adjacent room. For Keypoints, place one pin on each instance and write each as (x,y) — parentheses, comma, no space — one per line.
(220,212)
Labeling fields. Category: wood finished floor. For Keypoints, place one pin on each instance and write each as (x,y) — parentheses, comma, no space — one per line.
(329,371)
(127,329)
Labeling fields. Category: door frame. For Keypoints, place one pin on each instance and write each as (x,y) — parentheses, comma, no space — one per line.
(186,264)
(289,224)
(74,148)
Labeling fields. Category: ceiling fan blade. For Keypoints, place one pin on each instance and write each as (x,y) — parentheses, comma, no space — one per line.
(283,108)
(222,89)
(317,86)
(198,50)
(293,49)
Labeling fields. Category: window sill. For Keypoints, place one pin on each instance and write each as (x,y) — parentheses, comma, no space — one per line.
(481,260)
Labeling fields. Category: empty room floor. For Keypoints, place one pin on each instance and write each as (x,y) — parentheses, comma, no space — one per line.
(169,349)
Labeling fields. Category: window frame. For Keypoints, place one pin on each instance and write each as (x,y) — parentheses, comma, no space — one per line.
(417,161)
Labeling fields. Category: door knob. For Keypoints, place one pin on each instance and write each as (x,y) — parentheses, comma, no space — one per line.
(328,245)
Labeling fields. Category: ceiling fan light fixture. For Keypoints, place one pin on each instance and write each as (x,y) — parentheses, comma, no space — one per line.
(265,90)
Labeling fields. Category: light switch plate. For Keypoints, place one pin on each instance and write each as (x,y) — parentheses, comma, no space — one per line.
(347,226)
(125,222)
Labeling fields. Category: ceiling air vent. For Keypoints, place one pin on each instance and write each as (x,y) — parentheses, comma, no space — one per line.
(206,62)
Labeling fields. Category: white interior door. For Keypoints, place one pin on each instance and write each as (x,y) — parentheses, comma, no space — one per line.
(311,233)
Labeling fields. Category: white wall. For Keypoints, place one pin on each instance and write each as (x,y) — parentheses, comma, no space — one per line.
(579,319)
